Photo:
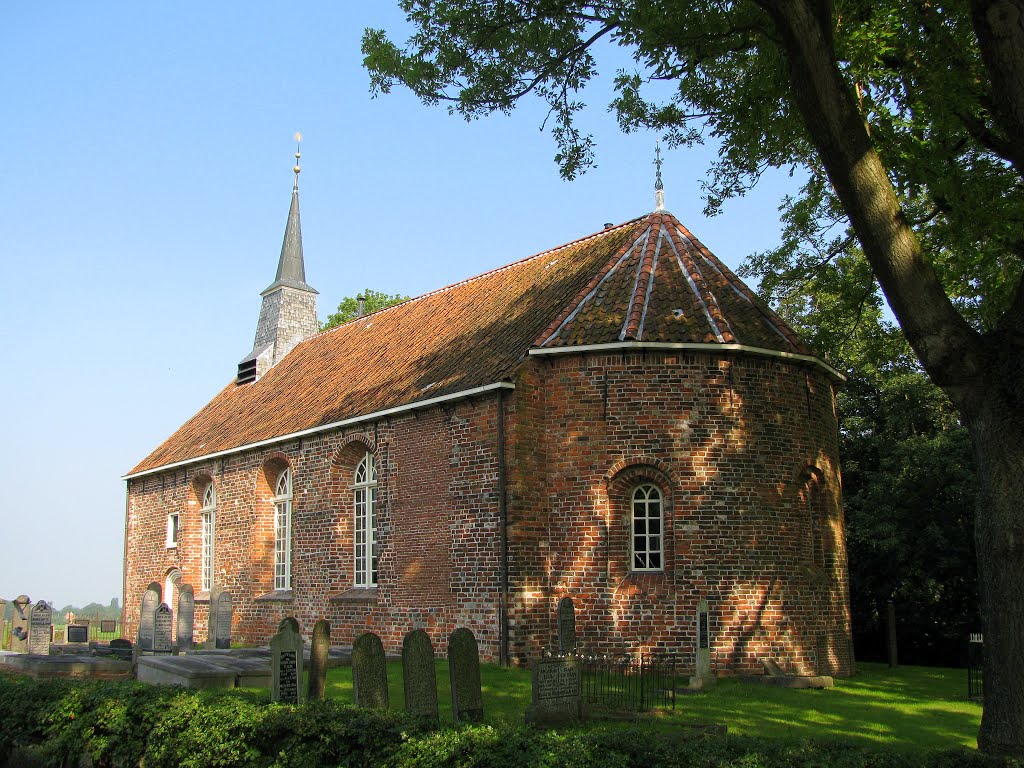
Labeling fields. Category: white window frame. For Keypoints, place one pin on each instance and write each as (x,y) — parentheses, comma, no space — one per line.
(647,529)
(173,530)
(283,531)
(208,514)
(364,533)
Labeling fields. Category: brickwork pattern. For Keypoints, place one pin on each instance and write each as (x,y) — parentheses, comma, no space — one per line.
(437,523)
(743,448)
(735,443)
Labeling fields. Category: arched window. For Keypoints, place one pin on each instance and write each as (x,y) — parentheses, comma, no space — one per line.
(283,530)
(647,549)
(364,490)
(209,516)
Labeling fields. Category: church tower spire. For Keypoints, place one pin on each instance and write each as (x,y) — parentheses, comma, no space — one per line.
(288,312)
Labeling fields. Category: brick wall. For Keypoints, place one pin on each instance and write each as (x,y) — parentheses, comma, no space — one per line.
(742,448)
(438,517)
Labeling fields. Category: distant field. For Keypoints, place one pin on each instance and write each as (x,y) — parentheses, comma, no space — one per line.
(906,708)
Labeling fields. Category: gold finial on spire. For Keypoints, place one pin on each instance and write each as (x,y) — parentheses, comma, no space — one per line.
(659,188)
(298,154)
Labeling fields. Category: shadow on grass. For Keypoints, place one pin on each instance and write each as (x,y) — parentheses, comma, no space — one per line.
(906,708)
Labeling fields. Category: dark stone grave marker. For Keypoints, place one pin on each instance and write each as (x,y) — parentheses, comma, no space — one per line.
(162,620)
(286,666)
(186,617)
(566,626)
(221,609)
(419,675)
(147,611)
(77,633)
(464,669)
(292,622)
(318,654)
(556,691)
(108,626)
(40,628)
(369,672)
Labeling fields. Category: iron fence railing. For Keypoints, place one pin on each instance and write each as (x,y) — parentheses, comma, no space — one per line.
(975,676)
(643,682)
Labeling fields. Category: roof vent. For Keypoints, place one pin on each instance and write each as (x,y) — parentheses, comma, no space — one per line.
(246,372)
(608,225)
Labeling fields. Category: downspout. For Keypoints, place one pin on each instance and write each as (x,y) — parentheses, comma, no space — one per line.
(503,538)
(124,553)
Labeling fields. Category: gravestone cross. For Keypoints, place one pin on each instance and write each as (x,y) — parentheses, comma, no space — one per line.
(186,617)
(220,623)
(318,660)
(40,628)
(419,675)
(162,619)
(369,672)
(147,613)
(464,670)
(286,666)
(566,627)
(19,624)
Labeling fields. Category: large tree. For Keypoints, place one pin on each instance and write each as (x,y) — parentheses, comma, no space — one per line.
(908,473)
(908,116)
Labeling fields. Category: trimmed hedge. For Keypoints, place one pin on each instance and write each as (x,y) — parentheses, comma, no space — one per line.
(61,722)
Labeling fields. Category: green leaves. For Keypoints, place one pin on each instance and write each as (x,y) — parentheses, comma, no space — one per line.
(373,301)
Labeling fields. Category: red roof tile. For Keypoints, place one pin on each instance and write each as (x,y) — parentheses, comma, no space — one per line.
(646,280)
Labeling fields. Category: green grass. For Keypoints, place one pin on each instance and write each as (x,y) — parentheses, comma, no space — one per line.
(908,708)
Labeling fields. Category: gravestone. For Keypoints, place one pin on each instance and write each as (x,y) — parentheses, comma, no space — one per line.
(77,633)
(704,678)
(186,617)
(292,622)
(40,628)
(19,624)
(318,652)
(556,691)
(162,619)
(464,670)
(419,675)
(121,648)
(566,627)
(147,612)
(108,626)
(369,672)
(286,666)
(220,620)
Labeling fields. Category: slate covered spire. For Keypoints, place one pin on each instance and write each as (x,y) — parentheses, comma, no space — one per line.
(288,313)
(291,269)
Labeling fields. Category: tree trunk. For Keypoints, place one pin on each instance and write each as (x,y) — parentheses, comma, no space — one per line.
(982,375)
(999,533)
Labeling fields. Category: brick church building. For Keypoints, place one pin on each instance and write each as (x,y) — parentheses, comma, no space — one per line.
(618,420)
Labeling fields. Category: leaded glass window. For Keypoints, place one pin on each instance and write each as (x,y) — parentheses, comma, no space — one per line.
(647,535)
(209,517)
(283,531)
(364,493)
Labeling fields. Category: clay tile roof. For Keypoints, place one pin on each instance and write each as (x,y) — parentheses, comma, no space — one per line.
(649,279)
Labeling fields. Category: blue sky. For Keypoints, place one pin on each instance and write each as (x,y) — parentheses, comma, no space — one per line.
(144,187)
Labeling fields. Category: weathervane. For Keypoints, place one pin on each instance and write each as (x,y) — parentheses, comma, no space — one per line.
(298,154)
(659,188)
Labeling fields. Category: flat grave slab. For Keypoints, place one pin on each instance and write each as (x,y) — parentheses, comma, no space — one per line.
(68,665)
(204,671)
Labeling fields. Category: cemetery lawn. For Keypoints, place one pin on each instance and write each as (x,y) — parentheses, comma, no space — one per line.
(909,708)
